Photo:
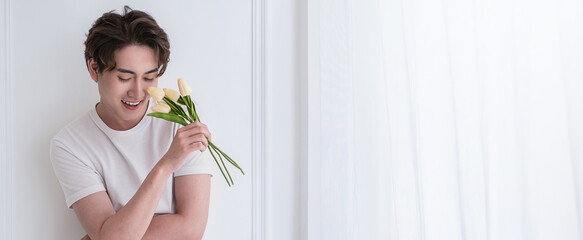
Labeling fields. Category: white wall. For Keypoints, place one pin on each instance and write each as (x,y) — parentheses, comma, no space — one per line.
(43,71)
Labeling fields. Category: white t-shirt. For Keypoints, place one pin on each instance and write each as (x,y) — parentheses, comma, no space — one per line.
(89,157)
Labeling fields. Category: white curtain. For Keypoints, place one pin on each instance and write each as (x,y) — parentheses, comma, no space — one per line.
(452,119)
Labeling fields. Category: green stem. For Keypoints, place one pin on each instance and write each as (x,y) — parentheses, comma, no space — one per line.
(227,157)
(220,168)
(226,169)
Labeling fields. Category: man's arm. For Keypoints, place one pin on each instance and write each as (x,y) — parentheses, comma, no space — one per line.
(99,219)
(192,204)
(96,212)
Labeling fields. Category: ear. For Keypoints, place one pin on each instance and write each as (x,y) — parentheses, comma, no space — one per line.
(92,67)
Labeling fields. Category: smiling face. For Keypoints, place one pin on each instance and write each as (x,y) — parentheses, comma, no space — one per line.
(124,99)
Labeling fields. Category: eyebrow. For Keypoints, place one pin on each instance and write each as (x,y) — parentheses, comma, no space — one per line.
(132,72)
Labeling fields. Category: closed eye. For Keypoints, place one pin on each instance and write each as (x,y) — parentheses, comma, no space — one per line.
(124,79)
(149,79)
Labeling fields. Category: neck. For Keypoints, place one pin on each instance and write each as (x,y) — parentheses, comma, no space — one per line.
(114,123)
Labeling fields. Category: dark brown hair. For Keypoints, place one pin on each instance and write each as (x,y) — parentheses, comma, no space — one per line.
(113,31)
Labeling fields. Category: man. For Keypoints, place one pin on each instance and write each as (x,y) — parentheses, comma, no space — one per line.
(126,175)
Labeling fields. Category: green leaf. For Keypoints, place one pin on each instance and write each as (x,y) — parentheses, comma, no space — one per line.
(181,101)
(176,108)
(190,107)
(170,117)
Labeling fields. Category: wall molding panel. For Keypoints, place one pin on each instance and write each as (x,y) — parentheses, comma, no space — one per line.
(6,134)
(259,120)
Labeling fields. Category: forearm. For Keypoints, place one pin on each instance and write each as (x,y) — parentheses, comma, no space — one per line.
(132,220)
(174,226)
(192,194)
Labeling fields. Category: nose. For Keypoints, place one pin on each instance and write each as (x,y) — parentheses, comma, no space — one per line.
(136,89)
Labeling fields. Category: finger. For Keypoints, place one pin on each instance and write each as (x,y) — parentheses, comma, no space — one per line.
(195,124)
(206,131)
(199,146)
(197,129)
(203,140)
(190,126)
(204,128)
(199,139)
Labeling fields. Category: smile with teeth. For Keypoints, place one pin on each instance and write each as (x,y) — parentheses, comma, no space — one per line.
(131,103)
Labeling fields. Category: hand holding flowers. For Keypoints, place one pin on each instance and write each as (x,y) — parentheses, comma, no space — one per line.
(169,108)
(188,139)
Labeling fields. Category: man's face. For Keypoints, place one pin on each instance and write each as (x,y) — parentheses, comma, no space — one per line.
(124,99)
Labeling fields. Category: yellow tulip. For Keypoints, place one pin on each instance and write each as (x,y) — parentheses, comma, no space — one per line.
(161,107)
(178,115)
(183,87)
(171,94)
(156,93)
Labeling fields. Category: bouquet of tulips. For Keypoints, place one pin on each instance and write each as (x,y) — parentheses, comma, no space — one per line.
(170,107)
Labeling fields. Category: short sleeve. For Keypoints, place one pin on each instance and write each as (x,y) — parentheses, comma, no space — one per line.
(78,179)
(198,163)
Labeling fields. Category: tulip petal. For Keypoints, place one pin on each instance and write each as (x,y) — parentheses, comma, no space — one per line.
(156,93)
(183,87)
(161,107)
(171,94)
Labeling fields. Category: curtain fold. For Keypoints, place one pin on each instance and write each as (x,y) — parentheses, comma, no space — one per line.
(450,119)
